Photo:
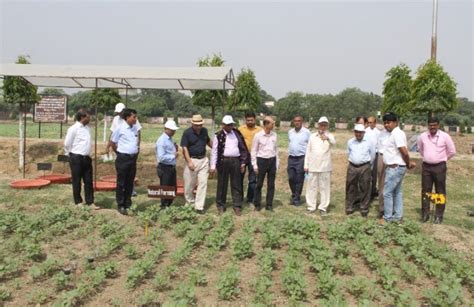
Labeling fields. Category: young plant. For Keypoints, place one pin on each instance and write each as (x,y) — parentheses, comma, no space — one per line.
(227,286)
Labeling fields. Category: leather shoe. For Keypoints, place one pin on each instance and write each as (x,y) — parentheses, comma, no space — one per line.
(425,218)
(122,211)
(238,211)
(269,208)
(201,212)
(258,208)
(221,210)
(438,220)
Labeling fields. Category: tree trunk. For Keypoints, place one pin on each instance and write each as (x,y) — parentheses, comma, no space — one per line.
(213,116)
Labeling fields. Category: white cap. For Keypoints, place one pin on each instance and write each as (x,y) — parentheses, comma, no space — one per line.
(227,120)
(119,107)
(323,119)
(359,127)
(170,124)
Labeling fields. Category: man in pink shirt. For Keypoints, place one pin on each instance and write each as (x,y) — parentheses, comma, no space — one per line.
(264,157)
(435,147)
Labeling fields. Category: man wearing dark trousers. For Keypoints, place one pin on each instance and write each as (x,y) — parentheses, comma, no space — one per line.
(248,131)
(264,157)
(298,138)
(125,143)
(436,148)
(229,157)
(361,154)
(166,154)
(78,146)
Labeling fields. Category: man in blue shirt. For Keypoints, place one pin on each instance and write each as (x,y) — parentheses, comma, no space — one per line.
(298,138)
(124,142)
(361,155)
(166,154)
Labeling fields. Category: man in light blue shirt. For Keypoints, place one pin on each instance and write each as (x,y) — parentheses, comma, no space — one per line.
(124,141)
(361,154)
(298,138)
(166,154)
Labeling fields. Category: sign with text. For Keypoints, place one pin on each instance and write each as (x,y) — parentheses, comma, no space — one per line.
(161,191)
(51,109)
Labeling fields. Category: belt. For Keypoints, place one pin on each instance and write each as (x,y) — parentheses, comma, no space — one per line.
(167,165)
(395,165)
(358,165)
(296,157)
(231,157)
(266,158)
(198,157)
(434,164)
(128,155)
(83,156)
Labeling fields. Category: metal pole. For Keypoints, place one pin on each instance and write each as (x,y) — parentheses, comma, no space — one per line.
(60,130)
(434,39)
(95,137)
(24,141)
(39,130)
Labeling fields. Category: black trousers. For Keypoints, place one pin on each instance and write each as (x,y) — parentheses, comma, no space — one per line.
(358,187)
(230,168)
(167,175)
(126,168)
(433,174)
(266,167)
(251,184)
(374,191)
(81,170)
(296,177)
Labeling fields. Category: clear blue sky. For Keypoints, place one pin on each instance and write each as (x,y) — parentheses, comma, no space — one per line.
(313,47)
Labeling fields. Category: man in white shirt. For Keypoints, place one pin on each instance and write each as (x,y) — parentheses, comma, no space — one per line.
(397,160)
(372,134)
(317,163)
(77,145)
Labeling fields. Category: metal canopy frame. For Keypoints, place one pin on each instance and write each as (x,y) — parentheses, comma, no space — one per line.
(121,77)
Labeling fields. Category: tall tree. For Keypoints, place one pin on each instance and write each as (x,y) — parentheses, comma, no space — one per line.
(434,91)
(246,95)
(207,98)
(18,90)
(397,90)
(53,91)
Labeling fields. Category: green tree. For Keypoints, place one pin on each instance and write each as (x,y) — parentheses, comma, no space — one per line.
(246,95)
(53,91)
(17,90)
(397,90)
(207,98)
(106,98)
(290,105)
(433,91)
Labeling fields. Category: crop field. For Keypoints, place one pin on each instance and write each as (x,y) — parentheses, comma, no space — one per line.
(56,254)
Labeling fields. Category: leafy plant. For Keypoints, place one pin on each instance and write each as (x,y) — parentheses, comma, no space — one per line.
(131,251)
(162,281)
(61,281)
(227,286)
(292,278)
(197,277)
(184,295)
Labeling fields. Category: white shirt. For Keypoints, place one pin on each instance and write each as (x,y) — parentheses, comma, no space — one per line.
(372,135)
(126,138)
(318,153)
(118,121)
(396,140)
(78,140)
(297,141)
(382,141)
(264,146)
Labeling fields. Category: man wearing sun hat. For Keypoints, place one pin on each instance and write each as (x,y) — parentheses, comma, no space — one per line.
(229,157)
(318,166)
(166,154)
(196,169)
(361,154)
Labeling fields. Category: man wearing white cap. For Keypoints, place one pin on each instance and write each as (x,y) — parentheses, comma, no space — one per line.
(196,170)
(361,155)
(318,165)
(229,157)
(166,154)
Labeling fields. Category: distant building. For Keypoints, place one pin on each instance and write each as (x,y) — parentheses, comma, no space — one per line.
(269,104)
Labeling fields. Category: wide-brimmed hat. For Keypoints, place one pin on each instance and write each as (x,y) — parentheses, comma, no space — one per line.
(197,119)
(170,124)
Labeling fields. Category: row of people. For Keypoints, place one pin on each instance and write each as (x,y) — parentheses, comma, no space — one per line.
(373,156)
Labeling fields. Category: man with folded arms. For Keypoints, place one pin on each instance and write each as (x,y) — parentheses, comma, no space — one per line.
(196,169)
(264,157)
(435,147)
(229,157)
(166,154)
(361,155)
(397,160)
